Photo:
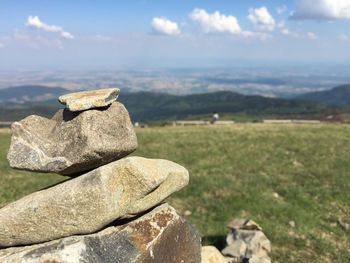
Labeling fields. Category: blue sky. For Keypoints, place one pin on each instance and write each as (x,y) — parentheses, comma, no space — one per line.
(61,34)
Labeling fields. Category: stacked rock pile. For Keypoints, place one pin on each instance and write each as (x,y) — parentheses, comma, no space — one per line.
(245,243)
(111,210)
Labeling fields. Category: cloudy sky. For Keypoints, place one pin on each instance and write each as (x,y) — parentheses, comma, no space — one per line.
(67,34)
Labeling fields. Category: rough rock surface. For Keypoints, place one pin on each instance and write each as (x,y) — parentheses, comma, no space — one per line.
(72,143)
(236,249)
(210,254)
(85,100)
(160,236)
(246,242)
(88,203)
(245,224)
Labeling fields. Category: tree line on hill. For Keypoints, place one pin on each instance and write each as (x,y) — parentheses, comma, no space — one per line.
(149,106)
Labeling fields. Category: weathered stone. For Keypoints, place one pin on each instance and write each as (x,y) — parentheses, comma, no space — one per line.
(158,236)
(72,143)
(291,223)
(233,260)
(236,249)
(210,254)
(256,241)
(245,224)
(246,242)
(343,225)
(87,203)
(86,100)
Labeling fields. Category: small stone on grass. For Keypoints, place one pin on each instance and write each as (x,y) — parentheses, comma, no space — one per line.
(291,223)
(343,225)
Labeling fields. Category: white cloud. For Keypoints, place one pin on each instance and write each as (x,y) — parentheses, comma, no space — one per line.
(261,18)
(67,35)
(281,9)
(2,45)
(282,27)
(284,30)
(322,9)
(164,26)
(215,22)
(34,21)
(311,36)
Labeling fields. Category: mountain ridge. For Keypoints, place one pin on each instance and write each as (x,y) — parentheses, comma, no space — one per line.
(30,93)
(337,96)
(150,106)
(165,106)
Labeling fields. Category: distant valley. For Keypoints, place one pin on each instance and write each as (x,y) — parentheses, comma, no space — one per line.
(268,81)
(30,93)
(18,102)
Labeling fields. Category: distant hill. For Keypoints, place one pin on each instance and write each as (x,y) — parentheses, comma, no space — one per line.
(157,106)
(30,93)
(338,96)
(149,106)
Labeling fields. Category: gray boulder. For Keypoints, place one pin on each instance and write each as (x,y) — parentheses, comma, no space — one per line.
(158,236)
(86,204)
(72,143)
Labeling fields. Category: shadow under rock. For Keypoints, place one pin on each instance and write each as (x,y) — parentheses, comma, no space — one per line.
(70,115)
(217,241)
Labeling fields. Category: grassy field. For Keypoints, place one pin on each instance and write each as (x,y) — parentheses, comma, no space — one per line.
(238,171)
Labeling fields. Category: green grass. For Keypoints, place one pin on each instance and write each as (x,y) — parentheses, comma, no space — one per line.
(235,172)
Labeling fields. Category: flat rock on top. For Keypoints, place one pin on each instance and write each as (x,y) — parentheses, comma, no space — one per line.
(86,100)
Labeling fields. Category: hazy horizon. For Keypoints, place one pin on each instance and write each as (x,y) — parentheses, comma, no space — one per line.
(272,81)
